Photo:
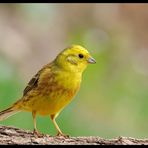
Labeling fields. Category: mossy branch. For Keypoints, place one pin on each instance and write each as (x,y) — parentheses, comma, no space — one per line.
(12,135)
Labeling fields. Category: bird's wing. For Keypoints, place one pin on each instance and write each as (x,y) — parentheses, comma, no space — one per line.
(33,83)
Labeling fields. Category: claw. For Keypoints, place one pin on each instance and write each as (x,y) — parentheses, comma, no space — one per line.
(63,135)
(37,134)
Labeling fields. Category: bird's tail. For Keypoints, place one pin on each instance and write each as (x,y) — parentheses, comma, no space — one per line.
(8,112)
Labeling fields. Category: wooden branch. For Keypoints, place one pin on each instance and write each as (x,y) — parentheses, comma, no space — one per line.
(12,135)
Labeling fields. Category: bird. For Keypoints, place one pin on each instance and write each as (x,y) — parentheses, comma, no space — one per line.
(53,87)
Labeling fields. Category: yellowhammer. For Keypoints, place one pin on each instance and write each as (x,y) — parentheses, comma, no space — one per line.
(53,87)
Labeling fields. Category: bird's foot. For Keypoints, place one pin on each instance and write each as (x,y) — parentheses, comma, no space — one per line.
(62,135)
(37,134)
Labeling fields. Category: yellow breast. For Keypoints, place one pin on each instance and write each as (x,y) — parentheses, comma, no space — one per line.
(61,93)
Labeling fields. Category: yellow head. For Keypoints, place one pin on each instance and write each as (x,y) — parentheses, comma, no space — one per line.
(74,59)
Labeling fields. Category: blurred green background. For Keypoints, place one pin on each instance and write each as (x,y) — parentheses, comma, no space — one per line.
(113,98)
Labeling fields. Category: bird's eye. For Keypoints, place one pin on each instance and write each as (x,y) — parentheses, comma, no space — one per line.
(81,56)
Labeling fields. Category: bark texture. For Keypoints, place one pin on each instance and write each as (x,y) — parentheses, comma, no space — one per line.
(12,135)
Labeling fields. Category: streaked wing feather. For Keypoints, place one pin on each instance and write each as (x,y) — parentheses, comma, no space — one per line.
(32,84)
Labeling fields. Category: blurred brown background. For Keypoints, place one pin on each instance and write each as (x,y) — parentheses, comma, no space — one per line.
(113,97)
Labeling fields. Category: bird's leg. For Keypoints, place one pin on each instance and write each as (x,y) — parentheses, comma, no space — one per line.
(57,127)
(35,131)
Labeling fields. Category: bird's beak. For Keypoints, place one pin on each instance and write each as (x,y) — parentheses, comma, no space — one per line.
(91,60)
